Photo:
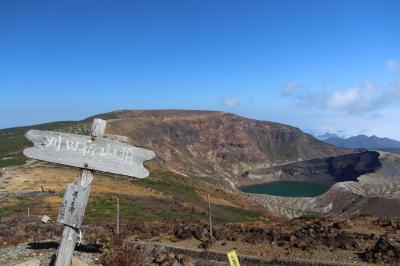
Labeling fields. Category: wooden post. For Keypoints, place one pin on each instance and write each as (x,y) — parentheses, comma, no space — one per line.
(29,215)
(85,178)
(117,215)
(209,214)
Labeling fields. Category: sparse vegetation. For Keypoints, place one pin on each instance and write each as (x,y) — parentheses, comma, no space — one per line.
(123,256)
(15,207)
(170,183)
(310,216)
(104,207)
(225,214)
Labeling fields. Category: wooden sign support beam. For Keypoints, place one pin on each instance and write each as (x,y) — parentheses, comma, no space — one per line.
(85,178)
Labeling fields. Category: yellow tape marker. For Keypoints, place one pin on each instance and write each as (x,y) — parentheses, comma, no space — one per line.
(233,258)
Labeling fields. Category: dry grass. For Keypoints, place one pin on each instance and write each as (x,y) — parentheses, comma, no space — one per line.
(121,254)
(215,200)
(33,177)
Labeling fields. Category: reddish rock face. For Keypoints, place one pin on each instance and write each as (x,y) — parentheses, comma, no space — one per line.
(215,143)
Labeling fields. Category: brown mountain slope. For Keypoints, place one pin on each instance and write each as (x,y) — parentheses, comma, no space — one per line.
(215,143)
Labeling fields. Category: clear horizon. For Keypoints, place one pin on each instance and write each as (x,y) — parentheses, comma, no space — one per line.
(331,66)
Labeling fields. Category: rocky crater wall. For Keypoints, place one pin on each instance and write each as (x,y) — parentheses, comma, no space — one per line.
(326,171)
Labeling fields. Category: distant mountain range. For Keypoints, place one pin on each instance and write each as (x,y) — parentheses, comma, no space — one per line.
(363,141)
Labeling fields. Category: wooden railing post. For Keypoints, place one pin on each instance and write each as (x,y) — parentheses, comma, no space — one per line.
(117,215)
(209,216)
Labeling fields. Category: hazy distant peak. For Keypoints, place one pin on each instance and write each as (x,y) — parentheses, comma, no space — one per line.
(327,135)
(363,141)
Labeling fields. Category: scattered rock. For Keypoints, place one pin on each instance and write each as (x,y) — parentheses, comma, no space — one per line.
(219,234)
(258,235)
(171,258)
(161,257)
(176,263)
(341,225)
(206,244)
(186,261)
(203,263)
(45,219)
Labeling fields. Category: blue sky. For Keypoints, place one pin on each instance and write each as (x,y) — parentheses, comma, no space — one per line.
(318,65)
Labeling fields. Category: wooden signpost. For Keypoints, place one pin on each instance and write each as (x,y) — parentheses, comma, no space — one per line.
(89,153)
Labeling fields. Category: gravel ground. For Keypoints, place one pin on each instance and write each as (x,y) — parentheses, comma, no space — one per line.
(14,255)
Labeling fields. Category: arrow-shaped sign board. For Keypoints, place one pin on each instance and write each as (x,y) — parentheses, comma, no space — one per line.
(88,152)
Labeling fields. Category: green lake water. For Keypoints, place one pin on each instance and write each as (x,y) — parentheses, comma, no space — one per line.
(287,189)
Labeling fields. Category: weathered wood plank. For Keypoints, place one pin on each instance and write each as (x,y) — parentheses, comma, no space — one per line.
(73,205)
(88,152)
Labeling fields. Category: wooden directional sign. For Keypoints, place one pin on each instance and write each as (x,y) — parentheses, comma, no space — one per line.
(88,152)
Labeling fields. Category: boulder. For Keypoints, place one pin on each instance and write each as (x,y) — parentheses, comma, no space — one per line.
(184,233)
(383,251)
(201,233)
(301,245)
(383,245)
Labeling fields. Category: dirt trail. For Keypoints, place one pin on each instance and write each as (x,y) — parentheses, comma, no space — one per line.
(218,258)
(5,174)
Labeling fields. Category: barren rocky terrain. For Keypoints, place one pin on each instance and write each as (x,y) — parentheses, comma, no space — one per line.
(305,241)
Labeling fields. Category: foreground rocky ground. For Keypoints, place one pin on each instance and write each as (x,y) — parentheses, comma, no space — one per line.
(322,241)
